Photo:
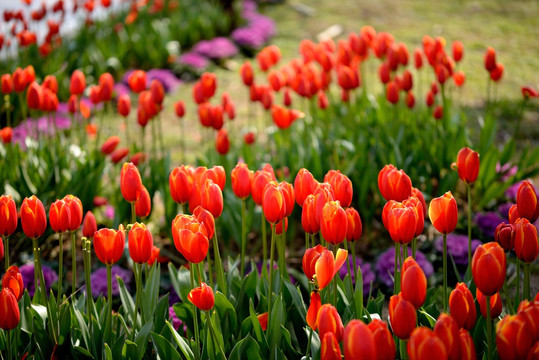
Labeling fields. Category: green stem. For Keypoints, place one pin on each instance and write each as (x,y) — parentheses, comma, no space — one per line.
(109,299)
(210,324)
(335,279)
(126,124)
(527,281)
(354,259)
(243,238)
(264,241)
(210,272)
(195,310)
(405,253)
(507,298)
(133,214)
(281,250)
(489,329)
(309,344)
(517,301)
(396,288)
(469,188)
(60,267)
(6,252)
(445,271)
(137,270)
(73,262)
(89,299)
(218,264)
(350,274)
(270,292)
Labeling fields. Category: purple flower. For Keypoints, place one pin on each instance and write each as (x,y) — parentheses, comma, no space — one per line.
(366,272)
(457,246)
(503,209)
(386,263)
(27,272)
(506,170)
(487,222)
(175,321)
(217,48)
(120,89)
(98,280)
(194,60)
(109,212)
(245,37)
(168,79)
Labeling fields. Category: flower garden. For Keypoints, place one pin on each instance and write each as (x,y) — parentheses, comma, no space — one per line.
(340,201)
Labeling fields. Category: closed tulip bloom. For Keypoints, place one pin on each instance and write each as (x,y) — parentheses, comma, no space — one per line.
(530,312)
(289,197)
(157,91)
(59,216)
(279,226)
(488,268)
(110,144)
(119,154)
(154,255)
(206,219)
(89,225)
(438,112)
(359,341)
(109,245)
(525,237)
(329,321)
(394,184)
(402,223)
(402,316)
(140,243)
(495,304)
(6,135)
(462,306)
(33,217)
(467,346)
(190,238)
(8,215)
(94,94)
(308,216)
(7,84)
(443,213)
(143,206)
(181,183)
(513,338)
(222,143)
(458,51)
(77,83)
(304,185)
(390,205)
(459,77)
(241,178)
(263,320)
(34,96)
(9,310)
(130,182)
(392,92)
(124,105)
(413,283)
(320,265)
(202,297)
(383,340)
(424,344)
(497,73)
(13,281)
(505,236)
(208,84)
(273,203)
(342,188)
(260,179)
(19,80)
(247,74)
(211,198)
(106,86)
(179,108)
(75,208)
(527,202)
(137,81)
(330,349)
(333,223)
(513,214)
(467,165)
(312,312)
(216,174)
(415,203)
(354,229)
(448,331)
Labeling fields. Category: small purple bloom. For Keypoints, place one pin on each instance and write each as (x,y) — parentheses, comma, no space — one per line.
(109,212)
(120,88)
(193,60)
(175,321)
(366,272)
(217,48)
(457,246)
(506,170)
(511,192)
(503,209)
(487,222)
(386,263)
(27,272)
(168,79)
(99,280)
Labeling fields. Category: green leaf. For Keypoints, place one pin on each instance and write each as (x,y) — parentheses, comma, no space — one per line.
(277,318)
(130,350)
(127,300)
(226,311)
(108,353)
(245,349)
(164,348)
(142,338)
(432,321)
(182,344)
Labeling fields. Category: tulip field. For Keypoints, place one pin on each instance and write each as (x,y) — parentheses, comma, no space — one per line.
(339,200)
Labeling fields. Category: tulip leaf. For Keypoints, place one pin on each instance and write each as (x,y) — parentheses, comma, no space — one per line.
(151,292)
(82,351)
(164,349)
(431,320)
(108,353)
(226,312)
(245,349)
(182,344)
(127,300)
(277,318)
(82,326)
(290,292)
(161,313)
(142,338)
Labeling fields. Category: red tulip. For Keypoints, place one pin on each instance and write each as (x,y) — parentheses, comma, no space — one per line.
(402,316)
(260,180)
(205,218)
(438,112)
(140,243)
(124,105)
(50,83)
(467,347)
(208,83)
(525,237)
(333,223)
(181,184)
(320,265)
(143,206)
(505,236)
(6,134)
(154,255)
(462,306)
(488,268)
(513,337)
(354,349)
(497,73)
(179,108)
(8,215)
(222,143)
(392,92)
(273,203)
(137,81)
(202,297)
(89,225)
(216,174)
(59,216)
(109,245)
(467,165)
(402,223)
(304,185)
(308,216)
(7,84)
(157,91)
(77,83)
(312,312)
(416,204)
(527,92)
(212,198)
(394,184)
(342,188)
(34,96)
(119,154)
(263,320)
(75,208)
(110,144)
(131,182)
(495,304)
(527,202)
(106,86)
(9,310)
(458,51)
(247,74)
(249,138)
(443,213)
(384,343)
(413,283)
(241,178)
(190,238)
(410,100)
(33,217)
(424,344)
(329,349)
(448,331)
(20,80)
(329,321)
(354,229)
(13,281)
(459,78)
(323,194)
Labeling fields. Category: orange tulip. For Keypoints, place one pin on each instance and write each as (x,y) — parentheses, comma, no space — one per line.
(413,283)
(273,203)
(8,215)
(333,223)
(181,183)
(212,198)
(525,237)
(329,349)
(513,214)
(342,188)
(443,213)
(109,245)
(157,91)
(495,304)
(488,268)
(13,281)
(137,81)
(9,310)
(392,92)
(143,206)
(260,180)
(131,182)
(505,236)
(329,321)
(34,96)
(533,354)
(140,243)
(527,202)
(513,337)
(497,73)
(312,312)
(59,216)
(110,144)
(1,249)
(119,154)
(354,349)
(89,225)
(241,178)
(154,255)
(106,86)
(190,238)
(420,209)
(75,208)
(462,306)
(247,74)
(448,331)
(205,218)
(304,185)
(384,343)
(424,345)
(7,84)
(467,346)
(308,216)
(202,297)
(402,316)
(6,134)
(467,165)
(208,82)
(179,108)
(124,105)
(394,184)
(263,320)
(20,80)
(402,224)
(320,265)
(33,217)
(77,83)
(354,229)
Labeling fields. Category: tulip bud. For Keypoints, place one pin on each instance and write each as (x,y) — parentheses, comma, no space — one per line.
(7,84)
(497,73)
(304,185)
(527,202)
(462,306)
(190,238)
(75,207)
(247,75)
(495,304)
(34,96)
(488,268)
(323,194)
(179,108)
(157,91)
(413,283)
(241,178)
(106,86)
(33,217)
(109,245)
(8,215)
(525,236)
(77,83)
(354,349)
(402,223)
(140,243)
(13,281)
(448,331)
(110,144)
(354,229)
(424,344)
(59,216)
(333,223)
(342,188)
(443,213)
(467,346)
(9,310)
(124,105)
(202,297)
(438,112)
(222,143)
(392,92)
(394,184)
(329,321)
(329,349)
(308,216)
(263,320)
(137,81)
(383,340)
(181,184)
(205,218)
(6,134)
(131,183)
(154,256)
(513,337)
(467,165)
(273,203)
(504,236)
(212,198)
(402,316)
(143,206)
(89,225)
